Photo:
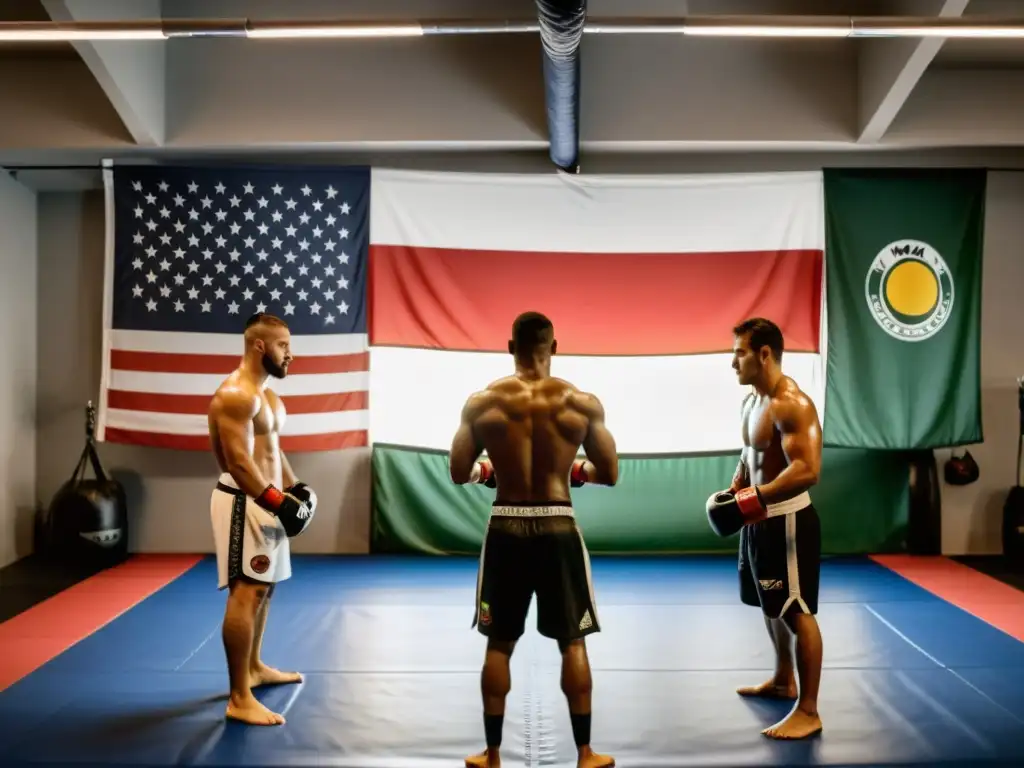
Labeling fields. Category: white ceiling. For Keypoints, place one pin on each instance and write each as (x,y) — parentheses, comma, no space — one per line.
(483,94)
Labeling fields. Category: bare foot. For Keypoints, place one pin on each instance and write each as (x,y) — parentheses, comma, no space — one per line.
(770,690)
(252,712)
(264,675)
(486,759)
(796,725)
(590,759)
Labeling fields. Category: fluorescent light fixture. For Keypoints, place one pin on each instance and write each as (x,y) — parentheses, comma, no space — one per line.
(60,34)
(768,31)
(1005,33)
(333,31)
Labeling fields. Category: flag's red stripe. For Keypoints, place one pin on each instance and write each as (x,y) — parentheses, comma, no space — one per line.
(166,362)
(601,303)
(200,404)
(292,443)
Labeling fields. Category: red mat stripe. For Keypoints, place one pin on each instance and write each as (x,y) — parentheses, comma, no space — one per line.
(982,596)
(43,632)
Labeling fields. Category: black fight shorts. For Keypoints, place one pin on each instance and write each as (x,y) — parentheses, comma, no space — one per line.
(780,559)
(535,549)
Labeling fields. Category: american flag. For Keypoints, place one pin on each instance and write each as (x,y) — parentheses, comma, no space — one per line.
(194,253)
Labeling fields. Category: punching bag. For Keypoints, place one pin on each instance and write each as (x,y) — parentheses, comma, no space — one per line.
(1013,507)
(87,520)
(924,522)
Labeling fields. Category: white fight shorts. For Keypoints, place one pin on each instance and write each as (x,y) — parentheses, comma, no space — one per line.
(250,541)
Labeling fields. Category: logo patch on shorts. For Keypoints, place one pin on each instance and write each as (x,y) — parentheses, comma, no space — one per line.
(260,564)
(485,614)
(771,584)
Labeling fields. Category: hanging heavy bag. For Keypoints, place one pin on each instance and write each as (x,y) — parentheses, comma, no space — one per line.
(961,469)
(1013,507)
(87,520)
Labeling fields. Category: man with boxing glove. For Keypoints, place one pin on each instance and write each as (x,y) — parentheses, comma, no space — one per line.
(532,425)
(780,534)
(256,506)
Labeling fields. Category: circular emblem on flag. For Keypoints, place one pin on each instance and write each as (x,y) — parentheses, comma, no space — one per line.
(909,290)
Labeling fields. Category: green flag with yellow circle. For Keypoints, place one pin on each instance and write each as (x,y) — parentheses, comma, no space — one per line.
(903,266)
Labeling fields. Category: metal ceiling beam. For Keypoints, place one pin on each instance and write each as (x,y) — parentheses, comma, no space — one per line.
(987,27)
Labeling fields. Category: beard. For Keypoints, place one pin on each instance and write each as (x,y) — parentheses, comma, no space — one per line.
(273,368)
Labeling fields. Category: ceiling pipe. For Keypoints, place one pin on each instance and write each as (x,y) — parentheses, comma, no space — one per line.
(705,26)
(561,32)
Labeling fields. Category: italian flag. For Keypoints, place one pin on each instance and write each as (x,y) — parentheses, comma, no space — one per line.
(644,279)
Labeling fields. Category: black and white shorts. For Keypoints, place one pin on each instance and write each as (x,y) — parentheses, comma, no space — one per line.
(535,549)
(780,559)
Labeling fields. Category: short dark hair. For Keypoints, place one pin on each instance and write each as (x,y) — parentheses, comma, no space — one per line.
(262,318)
(531,330)
(763,333)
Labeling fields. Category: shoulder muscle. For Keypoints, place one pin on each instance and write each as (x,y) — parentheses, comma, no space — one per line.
(794,411)
(588,404)
(235,404)
(477,403)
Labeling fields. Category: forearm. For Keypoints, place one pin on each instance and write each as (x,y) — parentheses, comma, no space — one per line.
(605,473)
(463,469)
(288,476)
(248,476)
(798,477)
(740,478)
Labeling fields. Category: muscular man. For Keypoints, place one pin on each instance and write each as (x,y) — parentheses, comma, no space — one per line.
(252,519)
(532,426)
(780,534)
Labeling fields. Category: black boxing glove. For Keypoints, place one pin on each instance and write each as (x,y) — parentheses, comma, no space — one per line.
(290,510)
(305,494)
(728,511)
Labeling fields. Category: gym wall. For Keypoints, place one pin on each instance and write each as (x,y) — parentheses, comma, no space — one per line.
(18,379)
(169,491)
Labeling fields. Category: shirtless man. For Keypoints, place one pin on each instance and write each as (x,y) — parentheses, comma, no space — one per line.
(252,519)
(532,426)
(780,533)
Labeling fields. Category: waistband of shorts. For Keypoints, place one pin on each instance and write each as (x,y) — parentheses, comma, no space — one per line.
(789,506)
(226,483)
(533,509)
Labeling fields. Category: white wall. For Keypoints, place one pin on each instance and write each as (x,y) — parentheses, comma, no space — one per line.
(972,514)
(169,491)
(18,378)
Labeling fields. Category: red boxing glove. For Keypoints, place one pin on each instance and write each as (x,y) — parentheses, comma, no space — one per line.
(486,474)
(578,476)
(750,504)
(271,499)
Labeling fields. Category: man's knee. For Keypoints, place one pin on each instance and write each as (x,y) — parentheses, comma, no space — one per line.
(797,617)
(576,645)
(503,647)
(245,593)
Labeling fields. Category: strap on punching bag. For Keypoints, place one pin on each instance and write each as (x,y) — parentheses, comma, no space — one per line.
(89,453)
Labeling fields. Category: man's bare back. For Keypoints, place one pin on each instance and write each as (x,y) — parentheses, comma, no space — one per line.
(531,426)
(532,430)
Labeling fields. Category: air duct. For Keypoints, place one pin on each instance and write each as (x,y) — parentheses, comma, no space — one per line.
(561,32)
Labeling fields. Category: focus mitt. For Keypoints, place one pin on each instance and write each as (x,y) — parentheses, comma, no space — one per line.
(294,507)
(729,511)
